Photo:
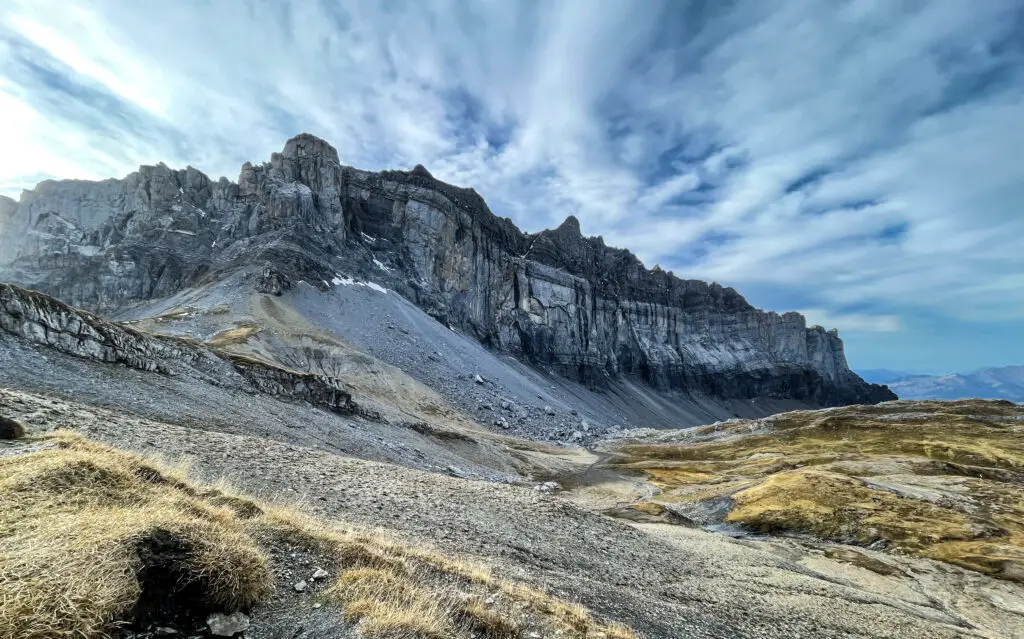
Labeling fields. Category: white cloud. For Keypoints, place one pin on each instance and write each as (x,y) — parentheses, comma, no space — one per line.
(854,323)
(859,154)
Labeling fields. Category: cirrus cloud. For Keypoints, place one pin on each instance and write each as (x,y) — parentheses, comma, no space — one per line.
(858,158)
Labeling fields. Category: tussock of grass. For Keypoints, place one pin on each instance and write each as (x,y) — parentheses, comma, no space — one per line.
(91,534)
(78,528)
(489,623)
(953,473)
(389,603)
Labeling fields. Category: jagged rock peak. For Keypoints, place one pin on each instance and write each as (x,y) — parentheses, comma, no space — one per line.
(307,145)
(421,171)
(571,226)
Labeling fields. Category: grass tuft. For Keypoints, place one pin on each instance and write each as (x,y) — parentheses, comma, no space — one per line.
(81,528)
(490,623)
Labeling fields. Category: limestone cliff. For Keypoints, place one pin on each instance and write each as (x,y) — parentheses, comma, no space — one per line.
(555,298)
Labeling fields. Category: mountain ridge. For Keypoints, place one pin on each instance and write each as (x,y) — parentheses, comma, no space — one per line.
(561,301)
(999,382)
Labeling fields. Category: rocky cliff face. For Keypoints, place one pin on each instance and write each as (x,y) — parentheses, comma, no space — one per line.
(556,298)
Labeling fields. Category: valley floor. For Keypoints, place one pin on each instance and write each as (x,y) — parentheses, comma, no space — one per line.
(662,580)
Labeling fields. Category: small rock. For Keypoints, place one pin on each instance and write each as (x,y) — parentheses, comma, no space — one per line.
(505,405)
(549,410)
(165,632)
(576,436)
(548,487)
(300,587)
(222,625)
(478,379)
(316,605)
(320,573)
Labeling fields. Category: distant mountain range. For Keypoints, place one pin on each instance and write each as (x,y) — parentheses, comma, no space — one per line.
(1006,382)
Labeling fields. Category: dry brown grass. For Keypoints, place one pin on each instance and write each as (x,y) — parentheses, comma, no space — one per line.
(489,623)
(809,472)
(80,521)
(77,523)
(234,336)
(833,506)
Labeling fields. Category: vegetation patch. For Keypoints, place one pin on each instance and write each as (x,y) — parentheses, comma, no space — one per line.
(938,479)
(94,537)
(91,536)
(234,336)
(176,314)
(841,508)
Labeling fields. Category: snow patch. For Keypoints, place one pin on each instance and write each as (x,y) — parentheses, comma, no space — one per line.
(369,238)
(381,266)
(182,231)
(348,281)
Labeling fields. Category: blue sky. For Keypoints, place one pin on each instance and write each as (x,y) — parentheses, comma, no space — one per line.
(859,161)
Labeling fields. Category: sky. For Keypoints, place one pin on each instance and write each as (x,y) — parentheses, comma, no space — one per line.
(857,160)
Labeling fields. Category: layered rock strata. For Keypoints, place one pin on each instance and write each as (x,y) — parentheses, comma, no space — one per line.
(556,298)
(41,319)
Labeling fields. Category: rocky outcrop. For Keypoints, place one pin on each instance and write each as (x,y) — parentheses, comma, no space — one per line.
(586,310)
(555,298)
(41,319)
(280,382)
(104,244)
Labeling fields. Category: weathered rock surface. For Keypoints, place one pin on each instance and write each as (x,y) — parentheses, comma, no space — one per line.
(558,299)
(41,319)
(222,625)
